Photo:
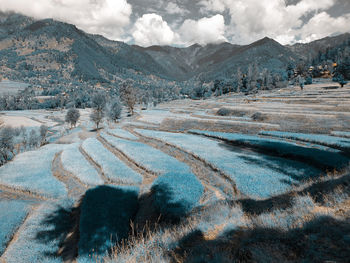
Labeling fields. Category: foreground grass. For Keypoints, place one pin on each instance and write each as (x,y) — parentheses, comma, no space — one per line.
(312,228)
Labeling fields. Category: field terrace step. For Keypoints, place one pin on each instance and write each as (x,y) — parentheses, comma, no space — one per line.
(256,176)
(112,167)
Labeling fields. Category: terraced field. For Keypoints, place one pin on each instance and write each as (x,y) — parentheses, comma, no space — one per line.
(74,198)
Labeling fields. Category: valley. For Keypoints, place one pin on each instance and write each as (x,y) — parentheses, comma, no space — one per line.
(214,172)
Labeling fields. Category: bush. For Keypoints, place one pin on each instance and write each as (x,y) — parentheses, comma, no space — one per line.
(230,112)
(258,116)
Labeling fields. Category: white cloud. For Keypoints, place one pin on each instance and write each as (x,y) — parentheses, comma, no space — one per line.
(203,31)
(151,29)
(252,19)
(106,17)
(323,25)
(174,9)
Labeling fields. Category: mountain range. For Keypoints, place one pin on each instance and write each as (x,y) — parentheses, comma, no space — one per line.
(51,52)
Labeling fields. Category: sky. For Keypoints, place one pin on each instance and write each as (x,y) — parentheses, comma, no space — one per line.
(186,22)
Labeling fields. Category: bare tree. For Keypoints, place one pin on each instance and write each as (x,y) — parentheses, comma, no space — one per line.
(43,133)
(129,96)
(34,139)
(72,116)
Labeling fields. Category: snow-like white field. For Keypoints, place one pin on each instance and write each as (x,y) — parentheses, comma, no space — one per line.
(111,166)
(31,171)
(74,162)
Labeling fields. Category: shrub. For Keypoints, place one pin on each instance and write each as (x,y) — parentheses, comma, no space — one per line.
(258,116)
(230,112)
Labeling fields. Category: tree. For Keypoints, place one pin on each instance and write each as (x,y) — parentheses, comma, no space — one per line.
(6,144)
(129,96)
(98,101)
(72,116)
(96,116)
(114,109)
(43,133)
(33,139)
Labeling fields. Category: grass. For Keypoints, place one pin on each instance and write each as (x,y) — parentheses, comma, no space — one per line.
(319,157)
(113,168)
(74,162)
(105,217)
(255,175)
(12,214)
(326,140)
(147,156)
(122,133)
(341,134)
(305,231)
(31,171)
(176,194)
(41,236)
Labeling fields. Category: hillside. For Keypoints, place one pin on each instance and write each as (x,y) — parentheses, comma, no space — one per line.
(49,52)
(231,176)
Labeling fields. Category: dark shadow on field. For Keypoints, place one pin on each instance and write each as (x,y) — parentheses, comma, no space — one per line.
(318,191)
(321,159)
(105,216)
(280,165)
(322,239)
(158,208)
(59,224)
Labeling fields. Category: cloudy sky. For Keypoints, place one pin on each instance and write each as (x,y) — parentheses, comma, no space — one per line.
(185,22)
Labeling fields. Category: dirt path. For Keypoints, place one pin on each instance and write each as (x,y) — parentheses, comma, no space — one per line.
(148,176)
(74,186)
(16,193)
(95,165)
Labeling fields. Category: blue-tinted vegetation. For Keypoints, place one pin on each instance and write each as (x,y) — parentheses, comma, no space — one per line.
(42,234)
(255,175)
(147,156)
(327,140)
(12,214)
(112,167)
(318,157)
(176,194)
(31,171)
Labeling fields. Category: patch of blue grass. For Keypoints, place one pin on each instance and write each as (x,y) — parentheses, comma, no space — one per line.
(31,171)
(255,175)
(74,162)
(42,233)
(105,217)
(319,157)
(147,156)
(112,167)
(326,140)
(12,214)
(122,133)
(341,134)
(175,195)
